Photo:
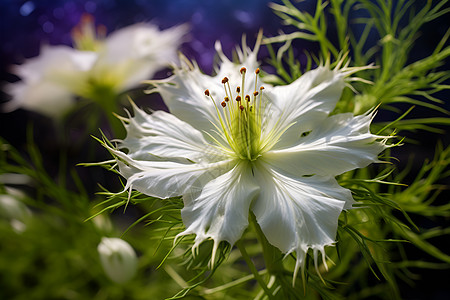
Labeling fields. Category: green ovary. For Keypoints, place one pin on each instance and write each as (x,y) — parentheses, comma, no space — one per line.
(246,134)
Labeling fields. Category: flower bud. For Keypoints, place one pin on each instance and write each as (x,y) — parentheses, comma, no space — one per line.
(118,259)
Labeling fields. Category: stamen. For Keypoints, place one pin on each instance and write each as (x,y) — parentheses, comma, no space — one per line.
(256,78)
(86,36)
(243,71)
(229,90)
(241,122)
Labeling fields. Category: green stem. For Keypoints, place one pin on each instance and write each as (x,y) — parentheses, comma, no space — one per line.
(231,284)
(253,269)
(107,99)
(272,255)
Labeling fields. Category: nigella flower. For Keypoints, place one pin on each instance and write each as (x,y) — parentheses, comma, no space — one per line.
(49,81)
(98,67)
(129,55)
(232,144)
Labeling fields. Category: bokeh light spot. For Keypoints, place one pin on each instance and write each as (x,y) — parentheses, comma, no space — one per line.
(48,27)
(27,8)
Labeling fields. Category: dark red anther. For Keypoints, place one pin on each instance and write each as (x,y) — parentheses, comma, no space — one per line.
(238,89)
(241,107)
(247,97)
(238,98)
(261,88)
(255,93)
(207,92)
(243,70)
(224,80)
(226,99)
(223,104)
(257,71)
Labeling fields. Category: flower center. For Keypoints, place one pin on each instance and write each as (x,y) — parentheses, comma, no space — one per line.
(241,117)
(86,37)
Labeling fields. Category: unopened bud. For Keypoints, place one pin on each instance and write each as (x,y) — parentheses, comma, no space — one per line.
(118,259)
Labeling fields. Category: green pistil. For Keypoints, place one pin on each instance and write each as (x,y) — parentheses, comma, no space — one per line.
(241,119)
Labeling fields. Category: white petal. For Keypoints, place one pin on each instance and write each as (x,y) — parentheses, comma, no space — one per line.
(340,144)
(165,137)
(145,41)
(46,98)
(298,213)
(305,103)
(184,95)
(247,58)
(55,59)
(50,80)
(163,179)
(134,53)
(220,211)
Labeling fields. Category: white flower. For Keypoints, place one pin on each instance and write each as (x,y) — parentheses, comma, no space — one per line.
(97,68)
(275,151)
(118,259)
(49,81)
(135,53)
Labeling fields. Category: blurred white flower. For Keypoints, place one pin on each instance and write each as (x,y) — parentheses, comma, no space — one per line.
(272,150)
(49,81)
(118,259)
(98,68)
(135,53)
(14,211)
